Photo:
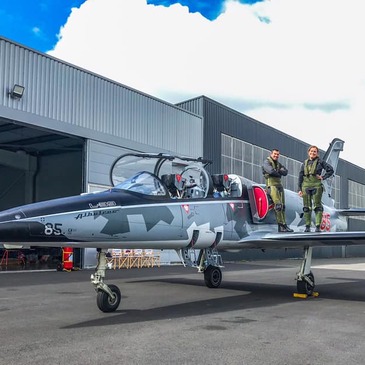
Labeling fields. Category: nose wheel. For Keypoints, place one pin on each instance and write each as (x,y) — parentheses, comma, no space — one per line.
(106,302)
(108,297)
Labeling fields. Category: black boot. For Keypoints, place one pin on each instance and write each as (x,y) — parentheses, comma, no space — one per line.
(284,228)
(307,229)
(318,228)
(281,228)
(288,229)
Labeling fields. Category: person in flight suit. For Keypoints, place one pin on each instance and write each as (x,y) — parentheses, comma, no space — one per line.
(273,170)
(311,188)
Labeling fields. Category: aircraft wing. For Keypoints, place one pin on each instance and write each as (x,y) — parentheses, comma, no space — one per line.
(352,212)
(300,239)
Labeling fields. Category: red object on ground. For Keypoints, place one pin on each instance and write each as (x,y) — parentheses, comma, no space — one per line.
(67,258)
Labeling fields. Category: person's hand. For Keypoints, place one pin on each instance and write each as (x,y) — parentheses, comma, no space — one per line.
(300,193)
(319,177)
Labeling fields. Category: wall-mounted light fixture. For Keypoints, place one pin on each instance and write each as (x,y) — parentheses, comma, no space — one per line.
(17,91)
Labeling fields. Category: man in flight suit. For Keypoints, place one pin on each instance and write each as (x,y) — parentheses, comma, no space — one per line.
(273,170)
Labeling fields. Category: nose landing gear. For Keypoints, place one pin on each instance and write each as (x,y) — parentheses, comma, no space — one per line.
(108,296)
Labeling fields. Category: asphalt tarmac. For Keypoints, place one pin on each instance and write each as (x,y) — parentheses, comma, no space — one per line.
(168,316)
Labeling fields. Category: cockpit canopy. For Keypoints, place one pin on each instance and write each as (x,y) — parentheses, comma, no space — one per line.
(144,183)
(163,174)
(156,163)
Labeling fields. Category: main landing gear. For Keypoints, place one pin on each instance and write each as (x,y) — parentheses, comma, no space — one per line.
(108,296)
(305,278)
(212,276)
(208,262)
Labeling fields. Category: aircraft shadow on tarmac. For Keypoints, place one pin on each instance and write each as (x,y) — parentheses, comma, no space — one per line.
(256,295)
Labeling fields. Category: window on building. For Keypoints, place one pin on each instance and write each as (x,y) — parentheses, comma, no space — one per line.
(356,196)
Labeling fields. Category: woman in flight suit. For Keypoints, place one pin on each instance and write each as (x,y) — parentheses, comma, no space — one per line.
(311,188)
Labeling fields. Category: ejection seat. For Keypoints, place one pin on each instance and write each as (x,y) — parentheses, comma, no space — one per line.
(220,185)
(227,185)
(174,184)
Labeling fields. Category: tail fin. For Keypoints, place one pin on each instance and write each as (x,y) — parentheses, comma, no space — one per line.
(331,156)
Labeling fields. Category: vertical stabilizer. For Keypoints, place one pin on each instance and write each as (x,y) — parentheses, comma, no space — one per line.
(331,156)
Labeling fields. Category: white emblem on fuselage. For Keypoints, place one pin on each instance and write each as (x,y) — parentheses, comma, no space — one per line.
(103,204)
(95,213)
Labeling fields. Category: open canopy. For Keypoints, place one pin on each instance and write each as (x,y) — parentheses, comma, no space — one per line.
(158,164)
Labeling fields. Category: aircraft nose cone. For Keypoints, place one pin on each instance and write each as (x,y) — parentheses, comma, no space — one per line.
(11,229)
(14,231)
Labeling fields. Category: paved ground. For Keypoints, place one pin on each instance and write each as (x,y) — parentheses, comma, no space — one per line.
(168,316)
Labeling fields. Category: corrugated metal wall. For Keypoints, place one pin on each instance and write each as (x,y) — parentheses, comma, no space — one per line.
(100,158)
(76,101)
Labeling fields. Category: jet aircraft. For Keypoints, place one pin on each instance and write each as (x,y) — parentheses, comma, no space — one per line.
(174,203)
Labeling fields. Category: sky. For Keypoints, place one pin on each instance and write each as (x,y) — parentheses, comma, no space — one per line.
(296,65)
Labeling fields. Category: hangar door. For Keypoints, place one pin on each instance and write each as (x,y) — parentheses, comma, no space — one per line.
(38,164)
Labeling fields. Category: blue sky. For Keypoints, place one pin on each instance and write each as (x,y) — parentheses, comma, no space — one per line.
(36,24)
(296,65)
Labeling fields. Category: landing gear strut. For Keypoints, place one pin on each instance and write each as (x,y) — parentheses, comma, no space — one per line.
(108,296)
(305,278)
(209,262)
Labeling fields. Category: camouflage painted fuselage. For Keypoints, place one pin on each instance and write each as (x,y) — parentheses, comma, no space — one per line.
(124,219)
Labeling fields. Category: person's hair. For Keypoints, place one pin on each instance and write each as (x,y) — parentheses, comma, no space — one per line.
(310,147)
(275,149)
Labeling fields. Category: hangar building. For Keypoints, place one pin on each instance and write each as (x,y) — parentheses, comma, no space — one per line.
(61,128)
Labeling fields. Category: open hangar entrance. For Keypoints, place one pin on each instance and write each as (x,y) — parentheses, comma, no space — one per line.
(37,164)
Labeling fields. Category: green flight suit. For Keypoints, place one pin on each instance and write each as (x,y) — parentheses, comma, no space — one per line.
(276,191)
(312,190)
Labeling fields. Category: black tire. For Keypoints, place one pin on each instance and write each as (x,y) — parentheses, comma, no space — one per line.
(303,287)
(212,276)
(107,304)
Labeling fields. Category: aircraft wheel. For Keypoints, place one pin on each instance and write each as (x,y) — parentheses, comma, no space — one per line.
(212,276)
(107,304)
(303,287)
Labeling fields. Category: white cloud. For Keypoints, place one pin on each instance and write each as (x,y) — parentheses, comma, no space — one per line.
(278,56)
(36,30)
